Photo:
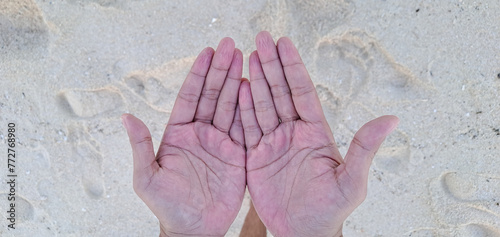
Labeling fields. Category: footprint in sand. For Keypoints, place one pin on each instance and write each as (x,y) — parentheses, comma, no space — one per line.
(274,17)
(468,202)
(152,91)
(24,209)
(364,77)
(467,230)
(90,103)
(320,16)
(88,160)
(103,3)
(92,179)
(40,161)
(477,230)
(359,68)
(22,26)
(393,157)
(472,187)
(158,87)
(87,105)
(45,189)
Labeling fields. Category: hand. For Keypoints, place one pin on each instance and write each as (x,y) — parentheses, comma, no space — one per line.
(298,181)
(196,182)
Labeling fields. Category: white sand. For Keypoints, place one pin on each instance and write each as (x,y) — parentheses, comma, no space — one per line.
(69,69)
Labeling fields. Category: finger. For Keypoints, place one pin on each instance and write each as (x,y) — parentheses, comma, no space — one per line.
(304,94)
(142,149)
(226,105)
(215,79)
(262,99)
(251,128)
(273,70)
(189,94)
(365,144)
(236,131)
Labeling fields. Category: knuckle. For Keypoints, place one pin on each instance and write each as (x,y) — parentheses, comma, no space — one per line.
(227,106)
(203,119)
(302,90)
(286,119)
(251,128)
(273,60)
(280,90)
(189,97)
(360,144)
(230,78)
(221,128)
(210,94)
(220,65)
(269,129)
(258,79)
(246,108)
(237,124)
(263,106)
(144,140)
(196,74)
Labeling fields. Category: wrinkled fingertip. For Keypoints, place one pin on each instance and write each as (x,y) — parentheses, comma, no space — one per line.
(226,43)
(238,55)
(237,61)
(208,50)
(204,58)
(227,40)
(285,40)
(262,37)
(285,45)
(263,33)
(254,58)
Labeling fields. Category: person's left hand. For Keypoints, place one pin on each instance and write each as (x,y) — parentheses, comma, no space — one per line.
(196,182)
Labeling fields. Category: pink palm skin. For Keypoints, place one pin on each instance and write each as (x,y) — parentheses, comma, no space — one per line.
(269,134)
(196,181)
(299,183)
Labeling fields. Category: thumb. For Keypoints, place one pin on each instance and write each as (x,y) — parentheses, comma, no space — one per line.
(365,144)
(142,148)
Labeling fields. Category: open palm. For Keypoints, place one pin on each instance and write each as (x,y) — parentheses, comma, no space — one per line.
(196,182)
(298,181)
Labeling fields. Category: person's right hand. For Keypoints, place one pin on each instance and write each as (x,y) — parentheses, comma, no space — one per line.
(297,179)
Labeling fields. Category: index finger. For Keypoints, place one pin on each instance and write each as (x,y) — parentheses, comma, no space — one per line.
(189,94)
(304,94)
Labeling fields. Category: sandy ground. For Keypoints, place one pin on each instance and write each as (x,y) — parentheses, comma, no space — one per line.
(69,69)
